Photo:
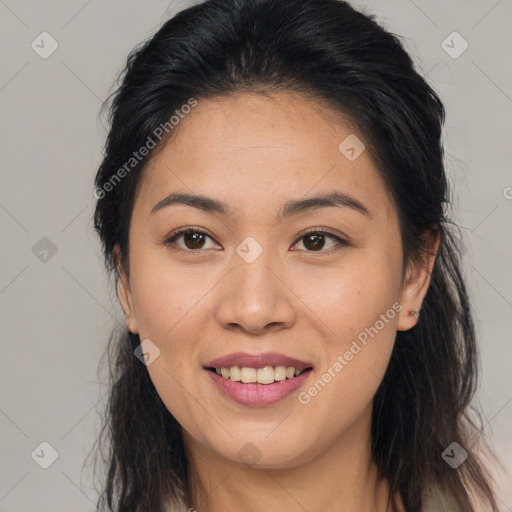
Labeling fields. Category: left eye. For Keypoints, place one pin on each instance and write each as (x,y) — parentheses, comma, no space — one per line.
(314,241)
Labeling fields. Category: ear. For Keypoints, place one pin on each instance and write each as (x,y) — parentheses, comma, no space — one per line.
(124,293)
(417,280)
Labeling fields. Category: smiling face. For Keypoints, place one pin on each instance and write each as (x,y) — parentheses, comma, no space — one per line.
(249,278)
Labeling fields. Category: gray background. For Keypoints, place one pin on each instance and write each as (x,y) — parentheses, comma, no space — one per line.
(58,309)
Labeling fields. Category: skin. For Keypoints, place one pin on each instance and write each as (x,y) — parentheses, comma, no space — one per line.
(255,152)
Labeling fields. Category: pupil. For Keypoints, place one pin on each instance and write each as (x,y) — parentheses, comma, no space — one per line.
(193,239)
(318,242)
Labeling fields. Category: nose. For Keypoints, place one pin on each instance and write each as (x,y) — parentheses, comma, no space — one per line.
(255,297)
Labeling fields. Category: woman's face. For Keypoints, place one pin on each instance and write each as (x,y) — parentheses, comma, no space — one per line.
(257,284)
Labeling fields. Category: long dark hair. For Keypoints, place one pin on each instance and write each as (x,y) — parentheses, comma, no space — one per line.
(327,50)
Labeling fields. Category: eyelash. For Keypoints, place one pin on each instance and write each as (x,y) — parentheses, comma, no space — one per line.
(170,241)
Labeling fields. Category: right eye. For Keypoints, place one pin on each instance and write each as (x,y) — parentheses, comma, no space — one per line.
(193,238)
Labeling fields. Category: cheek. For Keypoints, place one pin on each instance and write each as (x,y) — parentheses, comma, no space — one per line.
(168,297)
(351,296)
(354,364)
(170,308)
(357,304)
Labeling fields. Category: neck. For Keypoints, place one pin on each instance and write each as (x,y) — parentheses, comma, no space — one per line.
(342,477)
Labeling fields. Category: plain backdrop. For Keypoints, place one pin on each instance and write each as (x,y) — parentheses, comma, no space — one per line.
(57,305)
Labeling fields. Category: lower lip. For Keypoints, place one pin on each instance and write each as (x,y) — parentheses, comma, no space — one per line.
(258,394)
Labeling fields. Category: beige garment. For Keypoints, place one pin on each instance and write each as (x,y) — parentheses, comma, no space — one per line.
(437,500)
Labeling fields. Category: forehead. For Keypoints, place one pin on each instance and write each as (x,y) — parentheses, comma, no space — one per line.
(249,148)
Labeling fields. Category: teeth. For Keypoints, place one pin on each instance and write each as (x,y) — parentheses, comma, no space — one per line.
(247,374)
(280,372)
(266,375)
(235,373)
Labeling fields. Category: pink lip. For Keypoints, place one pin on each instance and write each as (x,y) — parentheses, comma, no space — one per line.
(257,361)
(258,394)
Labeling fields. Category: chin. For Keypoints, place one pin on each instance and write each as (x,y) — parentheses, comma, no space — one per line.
(262,452)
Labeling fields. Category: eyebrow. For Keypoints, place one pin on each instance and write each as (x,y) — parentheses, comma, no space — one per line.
(290,208)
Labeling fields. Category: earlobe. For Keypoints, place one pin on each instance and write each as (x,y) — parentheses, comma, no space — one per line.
(124,293)
(417,282)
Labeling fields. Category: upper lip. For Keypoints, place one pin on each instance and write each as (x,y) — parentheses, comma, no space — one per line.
(257,361)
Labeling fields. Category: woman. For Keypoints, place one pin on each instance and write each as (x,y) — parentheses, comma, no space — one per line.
(272,203)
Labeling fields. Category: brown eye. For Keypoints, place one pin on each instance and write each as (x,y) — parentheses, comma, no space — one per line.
(193,240)
(315,241)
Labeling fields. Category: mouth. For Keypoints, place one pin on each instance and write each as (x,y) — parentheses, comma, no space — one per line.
(258,379)
(265,375)
(265,368)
